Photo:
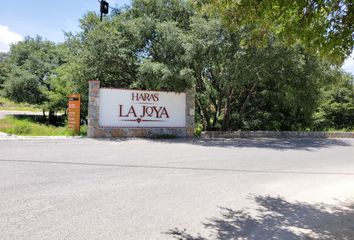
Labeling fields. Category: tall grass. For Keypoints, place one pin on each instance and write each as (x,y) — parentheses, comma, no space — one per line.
(24,127)
(6,104)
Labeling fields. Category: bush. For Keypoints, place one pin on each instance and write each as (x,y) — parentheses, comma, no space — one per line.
(337,107)
(22,129)
(26,127)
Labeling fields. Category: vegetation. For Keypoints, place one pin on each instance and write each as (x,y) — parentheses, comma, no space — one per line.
(28,74)
(282,82)
(336,109)
(6,104)
(324,27)
(26,127)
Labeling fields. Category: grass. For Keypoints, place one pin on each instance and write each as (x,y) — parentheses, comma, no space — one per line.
(6,104)
(25,127)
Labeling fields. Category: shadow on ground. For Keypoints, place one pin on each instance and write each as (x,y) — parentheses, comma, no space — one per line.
(276,218)
(273,143)
(308,144)
(56,120)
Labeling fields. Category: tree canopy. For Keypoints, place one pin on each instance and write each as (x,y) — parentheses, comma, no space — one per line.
(324,27)
(28,70)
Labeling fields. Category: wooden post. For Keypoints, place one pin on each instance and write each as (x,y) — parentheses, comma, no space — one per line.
(74,112)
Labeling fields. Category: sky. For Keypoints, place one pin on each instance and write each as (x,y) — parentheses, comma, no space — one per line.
(49,19)
(20,18)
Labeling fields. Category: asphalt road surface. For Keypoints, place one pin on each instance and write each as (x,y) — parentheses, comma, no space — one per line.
(176,189)
(4,113)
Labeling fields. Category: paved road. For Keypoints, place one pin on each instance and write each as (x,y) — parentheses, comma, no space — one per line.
(177,189)
(4,113)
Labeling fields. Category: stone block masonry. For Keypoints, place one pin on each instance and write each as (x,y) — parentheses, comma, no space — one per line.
(96,131)
(274,134)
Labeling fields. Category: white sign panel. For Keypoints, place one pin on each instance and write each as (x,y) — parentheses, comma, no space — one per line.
(134,108)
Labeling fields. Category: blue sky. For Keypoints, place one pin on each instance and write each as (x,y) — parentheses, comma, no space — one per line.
(19,18)
(46,18)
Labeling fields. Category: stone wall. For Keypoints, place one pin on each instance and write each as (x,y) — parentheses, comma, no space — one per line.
(274,134)
(95,131)
(93,128)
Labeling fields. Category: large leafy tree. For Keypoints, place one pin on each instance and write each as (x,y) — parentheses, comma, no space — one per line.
(336,110)
(273,88)
(164,45)
(28,70)
(58,86)
(324,27)
(143,47)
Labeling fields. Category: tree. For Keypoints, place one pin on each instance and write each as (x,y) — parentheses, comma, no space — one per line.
(324,27)
(58,85)
(336,110)
(141,47)
(165,45)
(3,69)
(29,68)
(269,88)
(23,86)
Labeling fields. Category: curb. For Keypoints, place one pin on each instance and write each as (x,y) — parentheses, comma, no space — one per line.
(274,134)
(15,137)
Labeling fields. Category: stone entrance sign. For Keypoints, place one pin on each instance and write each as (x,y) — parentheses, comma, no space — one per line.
(136,113)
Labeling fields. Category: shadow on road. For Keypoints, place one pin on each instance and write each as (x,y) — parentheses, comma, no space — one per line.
(276,218)
(278,144)
(308,144)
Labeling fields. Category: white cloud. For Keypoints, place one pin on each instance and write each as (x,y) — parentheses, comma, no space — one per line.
(348,65)
(7,37)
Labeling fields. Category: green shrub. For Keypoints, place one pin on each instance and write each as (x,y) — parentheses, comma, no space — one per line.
(198,129)
(22,129)
(26,127)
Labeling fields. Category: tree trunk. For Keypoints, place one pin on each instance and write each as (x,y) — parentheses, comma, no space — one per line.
(44,117)
(240,113)
(227,112)
(51,116)
(204,123)
(218,109)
